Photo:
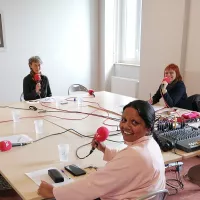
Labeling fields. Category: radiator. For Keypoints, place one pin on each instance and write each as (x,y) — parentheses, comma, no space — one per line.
(124,86)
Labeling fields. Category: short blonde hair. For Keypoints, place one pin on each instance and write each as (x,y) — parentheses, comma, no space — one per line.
(35,59)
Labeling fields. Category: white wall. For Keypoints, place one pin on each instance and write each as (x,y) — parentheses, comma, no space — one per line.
(64,33)
(106,39)
(192,68)
(161,41)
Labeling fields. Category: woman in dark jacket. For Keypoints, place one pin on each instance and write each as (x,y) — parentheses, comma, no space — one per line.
(174,92)
(33,89)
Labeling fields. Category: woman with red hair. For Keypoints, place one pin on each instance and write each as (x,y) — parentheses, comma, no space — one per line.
(172,88)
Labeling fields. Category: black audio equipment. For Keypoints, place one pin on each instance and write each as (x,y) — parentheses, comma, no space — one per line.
(186,139)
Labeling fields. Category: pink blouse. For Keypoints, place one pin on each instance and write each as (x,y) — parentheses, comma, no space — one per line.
(130,173)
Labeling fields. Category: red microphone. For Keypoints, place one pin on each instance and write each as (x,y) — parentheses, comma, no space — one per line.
(167,79)
(37,78)
(91,92)
(100,136)
(5,145)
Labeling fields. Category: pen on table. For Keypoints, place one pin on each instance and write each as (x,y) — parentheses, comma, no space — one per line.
(150,95)
(62,103)
(64,173)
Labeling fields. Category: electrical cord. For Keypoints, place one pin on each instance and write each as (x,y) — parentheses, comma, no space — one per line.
(87,154)
(177,179)
(91,151)
(21,108)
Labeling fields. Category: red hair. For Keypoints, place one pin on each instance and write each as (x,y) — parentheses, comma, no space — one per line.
(176,69)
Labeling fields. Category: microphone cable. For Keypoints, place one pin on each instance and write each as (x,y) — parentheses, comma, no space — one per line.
(91,151)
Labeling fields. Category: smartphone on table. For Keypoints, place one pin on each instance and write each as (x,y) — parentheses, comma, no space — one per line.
(75,170)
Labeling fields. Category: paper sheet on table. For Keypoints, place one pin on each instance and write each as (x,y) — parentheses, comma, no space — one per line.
(32,101)
(158,107)
(17,138)
(43,100)
(42,175)
(48,100)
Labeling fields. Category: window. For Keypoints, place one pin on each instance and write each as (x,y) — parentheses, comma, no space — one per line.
(127,31)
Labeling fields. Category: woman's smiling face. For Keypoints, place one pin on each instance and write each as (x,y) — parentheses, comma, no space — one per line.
(132,125)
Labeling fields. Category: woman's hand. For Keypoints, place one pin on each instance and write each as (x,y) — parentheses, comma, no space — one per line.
(164,85)
(99,145)
(150,101)
(38,87)
(45,190)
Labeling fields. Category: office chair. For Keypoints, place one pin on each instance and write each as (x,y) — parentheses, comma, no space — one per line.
(4,185)
(22,97)
(158,195)
(77,88)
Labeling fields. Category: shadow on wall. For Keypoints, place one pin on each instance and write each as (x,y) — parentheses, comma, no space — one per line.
(192,81)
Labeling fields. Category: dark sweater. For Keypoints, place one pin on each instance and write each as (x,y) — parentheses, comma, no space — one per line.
(175,96)
(29,88)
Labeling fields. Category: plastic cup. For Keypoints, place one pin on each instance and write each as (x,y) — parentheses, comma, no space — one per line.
(15,115)
(63,150)
(38,126)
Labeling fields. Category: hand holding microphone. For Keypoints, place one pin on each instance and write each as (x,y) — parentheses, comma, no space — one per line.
(100,136)
(37,79)
(38,88)
(98,145)
(165,82)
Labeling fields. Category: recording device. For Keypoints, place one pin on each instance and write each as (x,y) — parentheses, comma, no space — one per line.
(75,170)
(55,175)
(186,139)
(37,78)
(6,145)
(91,92)
(167,79)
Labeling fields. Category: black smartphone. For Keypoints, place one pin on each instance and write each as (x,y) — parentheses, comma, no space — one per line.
(75,170)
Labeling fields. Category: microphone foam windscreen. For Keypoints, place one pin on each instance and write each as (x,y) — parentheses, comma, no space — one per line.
(101,134)
(90,91)
(5,145)
(37,77)
(167,79)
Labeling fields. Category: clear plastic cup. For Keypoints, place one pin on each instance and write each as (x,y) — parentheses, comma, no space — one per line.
(57,103)
(79,101)
(63,150)
(15,115)
(38,126)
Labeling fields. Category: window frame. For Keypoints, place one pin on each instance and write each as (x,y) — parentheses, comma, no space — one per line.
(120,32)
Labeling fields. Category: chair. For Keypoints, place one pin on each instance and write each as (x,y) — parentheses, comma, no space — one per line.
(4,185)
(77,88)
(158,195)
(195,100)
(22,97)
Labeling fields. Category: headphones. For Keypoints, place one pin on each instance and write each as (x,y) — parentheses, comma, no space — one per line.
(164,145)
